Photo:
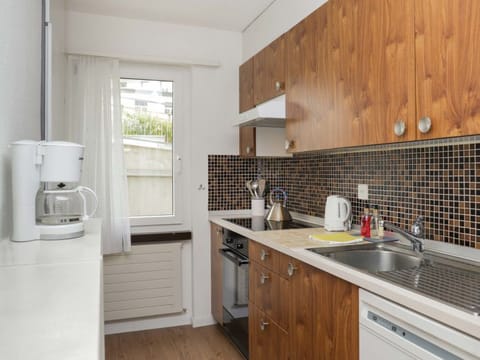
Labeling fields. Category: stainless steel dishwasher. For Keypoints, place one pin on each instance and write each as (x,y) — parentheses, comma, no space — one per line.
(390,331)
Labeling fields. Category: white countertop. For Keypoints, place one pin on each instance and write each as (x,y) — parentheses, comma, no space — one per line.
(294,242)
(50,298)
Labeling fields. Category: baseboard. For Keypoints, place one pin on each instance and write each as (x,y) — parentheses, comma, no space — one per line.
(117,327)
(203,321)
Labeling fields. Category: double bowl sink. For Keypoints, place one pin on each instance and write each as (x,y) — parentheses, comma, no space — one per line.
(447,279)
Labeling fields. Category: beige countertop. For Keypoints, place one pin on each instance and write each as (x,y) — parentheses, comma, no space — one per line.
(295,242)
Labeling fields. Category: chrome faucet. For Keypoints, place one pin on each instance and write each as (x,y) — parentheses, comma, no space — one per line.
(416,236)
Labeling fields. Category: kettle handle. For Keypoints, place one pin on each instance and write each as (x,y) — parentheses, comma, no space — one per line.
(348,210)
(91,192)
(283,193)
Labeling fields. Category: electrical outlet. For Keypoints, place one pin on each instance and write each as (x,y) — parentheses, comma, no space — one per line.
(363,191)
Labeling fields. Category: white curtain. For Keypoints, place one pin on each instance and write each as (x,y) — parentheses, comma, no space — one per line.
(94,120)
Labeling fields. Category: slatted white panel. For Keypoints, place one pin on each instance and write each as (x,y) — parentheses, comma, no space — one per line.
(145,282)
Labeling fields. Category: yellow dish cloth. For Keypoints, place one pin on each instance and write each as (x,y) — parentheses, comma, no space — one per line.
(336,238)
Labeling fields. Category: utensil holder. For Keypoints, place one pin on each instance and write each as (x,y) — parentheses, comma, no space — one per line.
(258,207)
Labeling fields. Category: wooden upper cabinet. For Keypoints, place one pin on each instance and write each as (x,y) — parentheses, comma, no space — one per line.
(269,71)
(448,66)
(246,86)
(310,98)
(247,141)
(372,51)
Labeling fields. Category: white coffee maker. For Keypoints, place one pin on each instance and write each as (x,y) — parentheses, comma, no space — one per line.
(48,204)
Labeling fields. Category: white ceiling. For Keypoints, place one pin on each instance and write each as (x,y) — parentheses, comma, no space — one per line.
(233,15)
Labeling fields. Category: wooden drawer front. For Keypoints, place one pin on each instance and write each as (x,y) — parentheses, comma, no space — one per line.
(271,294)
(267,340)
(264,255)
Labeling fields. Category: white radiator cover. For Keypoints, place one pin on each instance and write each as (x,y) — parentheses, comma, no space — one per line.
(145,282)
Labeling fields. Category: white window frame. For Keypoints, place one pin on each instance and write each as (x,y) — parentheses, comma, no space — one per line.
(179,76)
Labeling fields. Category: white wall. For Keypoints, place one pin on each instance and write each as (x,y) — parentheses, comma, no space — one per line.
(57,18)
(214,104)
(20,66)
(279,18)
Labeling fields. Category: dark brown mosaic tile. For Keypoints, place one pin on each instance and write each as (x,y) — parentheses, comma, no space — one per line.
(439,181)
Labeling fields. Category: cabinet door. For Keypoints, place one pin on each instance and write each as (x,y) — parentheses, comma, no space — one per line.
(335,318)
(301,304)
(372,50)
(271,294)
(267,341)
(216,272)
(448,67)
(269,71)
(309,80)
(247,141)
(246,86)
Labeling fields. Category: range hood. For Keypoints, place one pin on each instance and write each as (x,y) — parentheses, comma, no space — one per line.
(271,113)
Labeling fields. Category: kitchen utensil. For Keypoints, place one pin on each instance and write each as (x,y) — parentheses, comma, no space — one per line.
(262,183)
(248,184)
(338,214)
(278,210)
(255,188)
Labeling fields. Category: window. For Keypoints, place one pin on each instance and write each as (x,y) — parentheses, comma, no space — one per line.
(152,117)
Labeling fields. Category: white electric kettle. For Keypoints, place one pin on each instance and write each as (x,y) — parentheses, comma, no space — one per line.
(338,214)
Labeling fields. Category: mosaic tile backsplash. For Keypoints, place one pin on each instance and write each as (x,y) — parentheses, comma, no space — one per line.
(441,182)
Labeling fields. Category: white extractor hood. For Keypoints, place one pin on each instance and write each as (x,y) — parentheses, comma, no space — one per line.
(271,113)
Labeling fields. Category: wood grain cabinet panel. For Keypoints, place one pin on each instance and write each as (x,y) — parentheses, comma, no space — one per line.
(267,341)
(248,140)
(216,233)
(269,71)
(317,311)
(335,318)
(264,256)
(309,81)
(447,66)
(271,294)
(246,100)
(372,51)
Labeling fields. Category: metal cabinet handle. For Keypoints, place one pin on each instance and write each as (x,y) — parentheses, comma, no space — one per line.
(248,149)
(263,254)
(289,144)
(263,278)
(219,231)
(291,269)
(279,85)
(263,324)
(399,127)
(425,124)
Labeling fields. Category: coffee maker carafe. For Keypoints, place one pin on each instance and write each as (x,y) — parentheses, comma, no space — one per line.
(47,201)
(60,204)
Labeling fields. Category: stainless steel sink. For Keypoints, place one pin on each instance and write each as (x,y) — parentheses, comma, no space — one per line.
(373,258)
(450,280)
(377,260)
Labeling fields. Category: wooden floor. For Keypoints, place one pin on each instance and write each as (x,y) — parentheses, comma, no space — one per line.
(178,343)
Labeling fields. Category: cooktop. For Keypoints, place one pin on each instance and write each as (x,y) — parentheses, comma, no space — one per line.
(258,223)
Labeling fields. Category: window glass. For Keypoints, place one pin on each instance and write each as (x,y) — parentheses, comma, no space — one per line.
(147,116)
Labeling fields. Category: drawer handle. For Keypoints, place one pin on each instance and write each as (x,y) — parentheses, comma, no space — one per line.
(291,269)
(263,324)
(263,254)
(263,278)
